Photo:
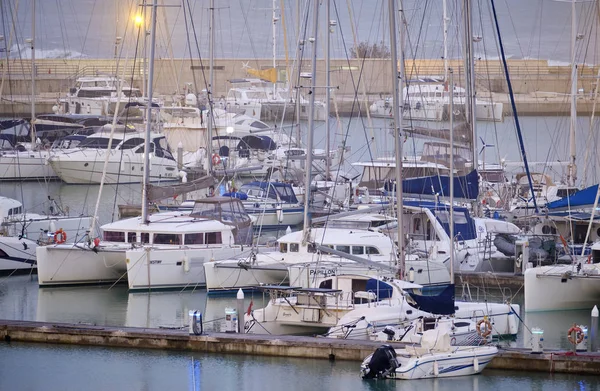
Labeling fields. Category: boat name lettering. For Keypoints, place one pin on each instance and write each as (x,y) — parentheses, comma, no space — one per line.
(155,262)
(320,272)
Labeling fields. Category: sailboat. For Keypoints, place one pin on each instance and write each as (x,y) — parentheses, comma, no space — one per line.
(577,284)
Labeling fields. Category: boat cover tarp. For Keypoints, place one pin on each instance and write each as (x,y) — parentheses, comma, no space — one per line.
(441,304)
(466,186)
(257,142)
(585,197)
(236,194)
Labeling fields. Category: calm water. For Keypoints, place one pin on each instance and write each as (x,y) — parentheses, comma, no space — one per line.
(54,368)
(25,366)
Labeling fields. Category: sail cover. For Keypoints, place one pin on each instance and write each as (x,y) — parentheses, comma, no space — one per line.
(585,197)
(441,304)
(465,186)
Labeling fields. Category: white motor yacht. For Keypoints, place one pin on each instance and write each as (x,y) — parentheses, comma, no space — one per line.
(85,164)
(431,102)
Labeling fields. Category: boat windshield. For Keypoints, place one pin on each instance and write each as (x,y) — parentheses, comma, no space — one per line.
(228,211)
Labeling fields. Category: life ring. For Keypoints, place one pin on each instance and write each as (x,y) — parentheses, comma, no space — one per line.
(487,330)
(216,159)
(579,334)
(60,236)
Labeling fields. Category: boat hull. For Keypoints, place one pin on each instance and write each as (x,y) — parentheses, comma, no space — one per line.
(86,167)
(21,166)
(74,265)
(551,288)
(154,268)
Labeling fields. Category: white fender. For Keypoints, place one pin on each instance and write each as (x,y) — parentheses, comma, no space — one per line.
(186,264)
(279,214)
(476,364)
(436,368)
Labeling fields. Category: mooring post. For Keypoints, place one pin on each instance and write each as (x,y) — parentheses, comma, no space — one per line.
(593,337)
(240,310)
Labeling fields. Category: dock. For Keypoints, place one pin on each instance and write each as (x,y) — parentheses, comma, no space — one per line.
(550,361)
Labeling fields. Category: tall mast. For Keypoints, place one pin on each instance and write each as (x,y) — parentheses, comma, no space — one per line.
(327,90)
(144,49)
(445,27)
(33,136)
(211,79)
(451,220)
(149,116)
(469,77)
(311,122)
(275,19)
(397,102)
(572,174)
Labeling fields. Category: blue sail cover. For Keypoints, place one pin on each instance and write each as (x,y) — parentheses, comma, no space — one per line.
(466,186)
(442,304)
(585,197)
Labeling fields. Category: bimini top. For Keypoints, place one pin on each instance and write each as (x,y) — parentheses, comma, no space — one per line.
(273,190)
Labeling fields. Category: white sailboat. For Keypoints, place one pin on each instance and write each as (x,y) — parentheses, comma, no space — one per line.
(577,285)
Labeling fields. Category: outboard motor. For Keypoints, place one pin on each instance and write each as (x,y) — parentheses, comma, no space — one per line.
(383,362)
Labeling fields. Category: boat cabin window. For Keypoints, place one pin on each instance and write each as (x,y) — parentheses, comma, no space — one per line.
(344,249)
(566,192)
(327,284)
(98,143)
(14,211)
(194,238)
(112,236)
(372,250)
(213,238)
(358,250)
(283,247)
(141,148)
(167,239)
(131,237)
(259,125)
(132,143)
(294,247)
(145,237)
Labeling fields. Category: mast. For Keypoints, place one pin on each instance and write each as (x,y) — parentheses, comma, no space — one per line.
(451,220)
(397,102)
(327,90)
(144,54)
(149,116)
(469,77)
(513,105)
(445,24)
(572,172)
(211,78)
(275,19)
(33,136)
(311,122)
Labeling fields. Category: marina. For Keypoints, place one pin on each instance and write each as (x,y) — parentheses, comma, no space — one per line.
(392,204)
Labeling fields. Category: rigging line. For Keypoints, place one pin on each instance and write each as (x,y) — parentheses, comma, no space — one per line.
(189,45)
(362,86)
(87,31)
(512,101)
(248,30)
(355,101)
